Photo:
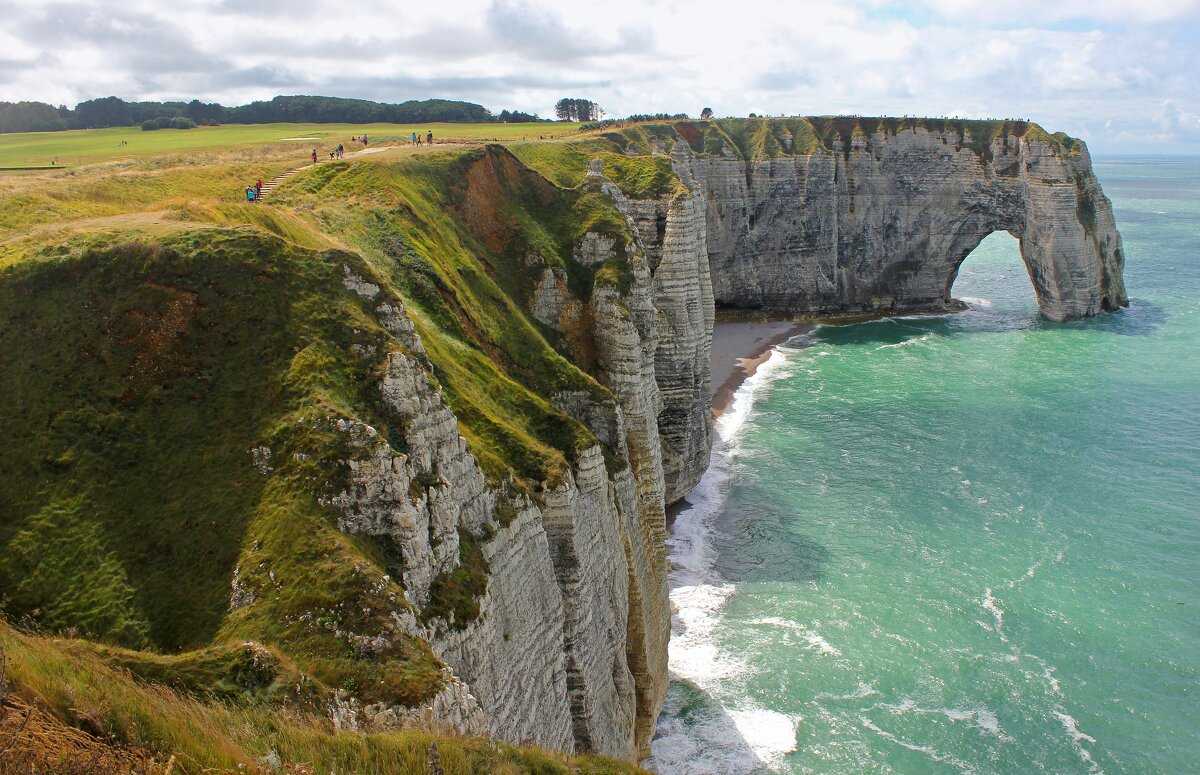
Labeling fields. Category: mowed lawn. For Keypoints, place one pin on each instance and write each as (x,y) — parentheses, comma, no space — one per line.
(83,146)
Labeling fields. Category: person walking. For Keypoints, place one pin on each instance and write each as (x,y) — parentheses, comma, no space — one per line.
(314,156)
(414,138)
(429,138)
(258,189)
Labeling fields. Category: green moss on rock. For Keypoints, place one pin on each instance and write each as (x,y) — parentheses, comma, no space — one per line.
(454,595)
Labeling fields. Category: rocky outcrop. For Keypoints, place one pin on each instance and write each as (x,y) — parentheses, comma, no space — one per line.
(673,287)
(881,221)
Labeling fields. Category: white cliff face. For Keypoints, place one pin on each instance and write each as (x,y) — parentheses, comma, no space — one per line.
(885,224)
(547,660)
(672,284)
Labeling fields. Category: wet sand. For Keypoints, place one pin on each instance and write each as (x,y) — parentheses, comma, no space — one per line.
(740,346)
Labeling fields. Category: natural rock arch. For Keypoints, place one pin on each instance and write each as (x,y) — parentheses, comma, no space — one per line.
(882,226)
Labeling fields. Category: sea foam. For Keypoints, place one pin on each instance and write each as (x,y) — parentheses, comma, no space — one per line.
(741,738)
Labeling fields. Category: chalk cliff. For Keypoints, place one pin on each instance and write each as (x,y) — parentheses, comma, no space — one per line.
(499,388)
(877,215)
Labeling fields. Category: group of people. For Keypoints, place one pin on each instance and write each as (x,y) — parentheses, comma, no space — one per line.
(254,193)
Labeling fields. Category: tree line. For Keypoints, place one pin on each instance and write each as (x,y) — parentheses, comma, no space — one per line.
(113,111)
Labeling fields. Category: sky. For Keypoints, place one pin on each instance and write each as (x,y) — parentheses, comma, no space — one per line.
(1124,76)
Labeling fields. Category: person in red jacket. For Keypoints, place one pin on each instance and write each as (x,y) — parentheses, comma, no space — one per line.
(258,189)
(314,155)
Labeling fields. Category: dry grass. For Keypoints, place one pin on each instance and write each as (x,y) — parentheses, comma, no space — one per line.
(70,713)
(33,741)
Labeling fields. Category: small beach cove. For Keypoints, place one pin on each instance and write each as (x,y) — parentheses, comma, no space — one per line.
(741,343)
(743,340)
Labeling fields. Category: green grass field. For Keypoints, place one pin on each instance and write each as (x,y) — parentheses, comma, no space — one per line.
(35,149)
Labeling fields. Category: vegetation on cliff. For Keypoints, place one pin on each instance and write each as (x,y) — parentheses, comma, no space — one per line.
(145,374)
(760,138)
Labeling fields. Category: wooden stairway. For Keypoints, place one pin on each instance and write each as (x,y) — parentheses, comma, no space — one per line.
(270,186)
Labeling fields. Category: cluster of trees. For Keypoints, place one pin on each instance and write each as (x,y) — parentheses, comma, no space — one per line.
(577,109)
(346,111)
(30,117)
(166,122)
(113,111)
(516,117)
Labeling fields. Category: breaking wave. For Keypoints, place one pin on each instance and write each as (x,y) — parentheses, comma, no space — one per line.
(741,737)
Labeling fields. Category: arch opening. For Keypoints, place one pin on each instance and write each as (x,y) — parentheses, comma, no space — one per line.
(995,273)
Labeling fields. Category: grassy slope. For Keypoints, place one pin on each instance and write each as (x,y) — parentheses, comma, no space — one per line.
(94,145)
(142,377)
(152,350)
(451,232)
(66,680)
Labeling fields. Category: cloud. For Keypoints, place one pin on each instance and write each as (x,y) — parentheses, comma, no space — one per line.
(777,79)
(1026,12)
(542,34)
(1121,74)
(144,42)
(1177,123)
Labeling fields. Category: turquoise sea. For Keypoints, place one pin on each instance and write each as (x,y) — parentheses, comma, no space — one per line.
(959,544)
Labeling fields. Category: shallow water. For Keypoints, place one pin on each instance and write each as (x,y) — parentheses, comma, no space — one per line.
(959,544)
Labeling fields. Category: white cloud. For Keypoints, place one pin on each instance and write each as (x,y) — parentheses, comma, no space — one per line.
(1038,11)
(1099,67)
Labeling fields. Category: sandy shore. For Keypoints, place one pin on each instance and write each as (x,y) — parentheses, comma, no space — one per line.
(740,346)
